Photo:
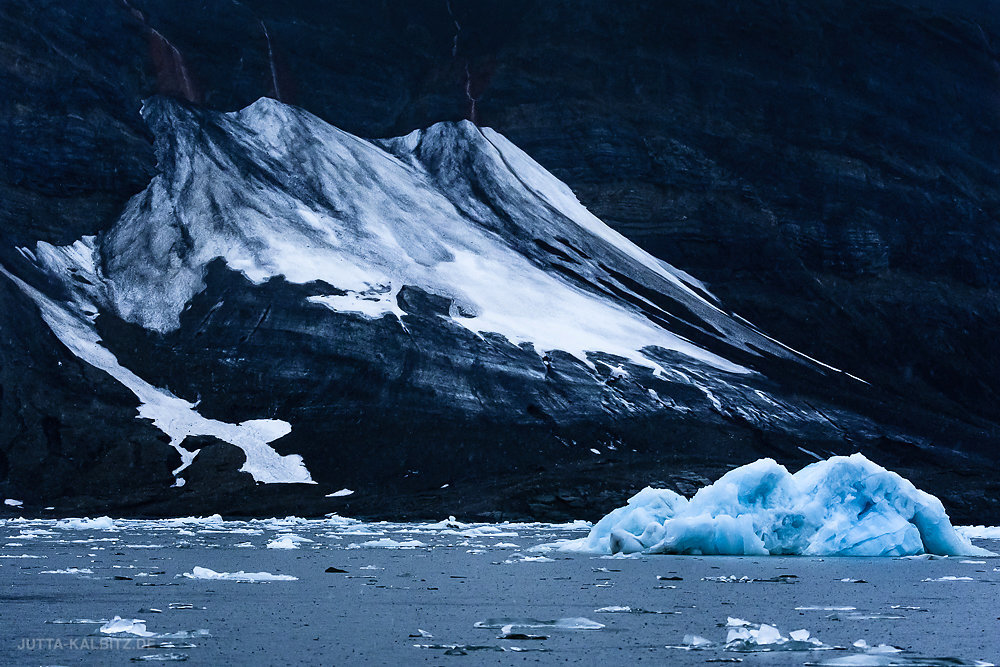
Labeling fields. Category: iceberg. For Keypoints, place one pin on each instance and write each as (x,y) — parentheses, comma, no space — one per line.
(843,506)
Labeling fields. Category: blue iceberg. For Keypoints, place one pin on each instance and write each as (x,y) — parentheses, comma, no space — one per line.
(844,506)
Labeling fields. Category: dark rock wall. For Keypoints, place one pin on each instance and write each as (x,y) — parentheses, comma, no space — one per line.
(831,169)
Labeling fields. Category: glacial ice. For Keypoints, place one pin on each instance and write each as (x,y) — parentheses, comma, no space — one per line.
(843,506)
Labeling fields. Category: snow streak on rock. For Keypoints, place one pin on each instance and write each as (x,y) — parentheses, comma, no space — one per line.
(174,416)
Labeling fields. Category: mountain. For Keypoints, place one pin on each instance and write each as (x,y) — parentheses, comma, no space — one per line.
(397,315)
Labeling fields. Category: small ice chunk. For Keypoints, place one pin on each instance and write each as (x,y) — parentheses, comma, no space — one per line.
(100,523)
(389,543)
(799,635)
(129,626)
(10,502)
(696,641)
(340,494)
(576,623)
(521,558)
(950,578)
(290,541)
(768,634)
(205,573)
(69,570)
(732,622)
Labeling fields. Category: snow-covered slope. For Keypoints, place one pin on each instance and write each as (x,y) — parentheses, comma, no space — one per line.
(455,210)
(542,299)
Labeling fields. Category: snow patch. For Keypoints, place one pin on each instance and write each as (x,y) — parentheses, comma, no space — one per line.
(174,416)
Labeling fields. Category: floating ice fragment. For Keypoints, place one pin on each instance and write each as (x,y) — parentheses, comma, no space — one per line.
(160,657)
(69,570)
(241,576)
(389,543)
(826,609)
(464,649)
(733,579)
(521,558)
(340,494)
(286,542)
(695,641)
(843,506)
(422,633)
(577,623)
(10,502)
(950,578)
(21,556)
(128,626)
(100,523)
(746,637)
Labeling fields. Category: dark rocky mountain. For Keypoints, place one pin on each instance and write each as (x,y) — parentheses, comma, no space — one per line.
(829,172)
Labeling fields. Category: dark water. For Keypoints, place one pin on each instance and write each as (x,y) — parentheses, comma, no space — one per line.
(462,588)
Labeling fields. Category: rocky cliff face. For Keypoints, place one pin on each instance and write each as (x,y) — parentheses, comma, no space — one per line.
(829,172)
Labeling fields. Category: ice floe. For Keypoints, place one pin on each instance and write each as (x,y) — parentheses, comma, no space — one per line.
(69,570)
(288,541)
(389,543)
(843,506)
(241,576)
(100,523)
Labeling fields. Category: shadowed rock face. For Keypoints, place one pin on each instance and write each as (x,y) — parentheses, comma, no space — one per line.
(830,172)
